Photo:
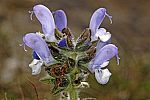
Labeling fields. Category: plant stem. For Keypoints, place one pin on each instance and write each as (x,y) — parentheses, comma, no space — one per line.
(73,93)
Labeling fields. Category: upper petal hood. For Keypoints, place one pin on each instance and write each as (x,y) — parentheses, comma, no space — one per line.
(46,19)
(105,54)
(96,19)
(60,19)
(35,42)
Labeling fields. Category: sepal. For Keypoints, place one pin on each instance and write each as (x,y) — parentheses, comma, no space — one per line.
(56,53)
(68,37)
(54,70)
(60,85)
(47,79)
(58,34)
(88,56)
(60,69)
(84,41)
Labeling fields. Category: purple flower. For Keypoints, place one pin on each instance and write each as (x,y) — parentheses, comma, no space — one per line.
(101,60)
(46,19)
(60,19)
(41,50)
(103,55)
(95,22)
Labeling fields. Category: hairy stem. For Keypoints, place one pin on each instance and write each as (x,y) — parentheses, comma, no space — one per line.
(73,94)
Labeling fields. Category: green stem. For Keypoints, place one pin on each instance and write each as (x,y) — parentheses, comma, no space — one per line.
(73,93)
(72,90)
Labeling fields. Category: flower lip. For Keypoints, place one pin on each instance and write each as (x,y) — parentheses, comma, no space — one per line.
(35,65)
(103,35)
(102,75)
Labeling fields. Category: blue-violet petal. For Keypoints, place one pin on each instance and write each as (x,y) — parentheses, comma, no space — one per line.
(60,19)
(97,18)
(105,54)
(36,42)
(46,19)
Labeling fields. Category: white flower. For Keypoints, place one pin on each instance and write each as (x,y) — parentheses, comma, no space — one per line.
(102,75)
(36,66)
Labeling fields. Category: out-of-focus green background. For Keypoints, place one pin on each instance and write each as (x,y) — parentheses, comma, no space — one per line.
(130,32)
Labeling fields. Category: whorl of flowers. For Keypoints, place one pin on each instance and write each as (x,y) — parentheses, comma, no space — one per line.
(68,61)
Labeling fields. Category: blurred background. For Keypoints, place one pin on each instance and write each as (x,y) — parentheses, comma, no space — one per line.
(130,32)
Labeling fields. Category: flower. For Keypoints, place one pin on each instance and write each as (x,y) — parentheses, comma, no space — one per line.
(41,52)
(101,60)
(104,49)
(46,19)
(96,20)
(93,47)
(103,55)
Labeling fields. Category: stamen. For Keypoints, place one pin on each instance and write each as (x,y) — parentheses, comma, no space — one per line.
(31,14)
(24,46)
(110,17)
